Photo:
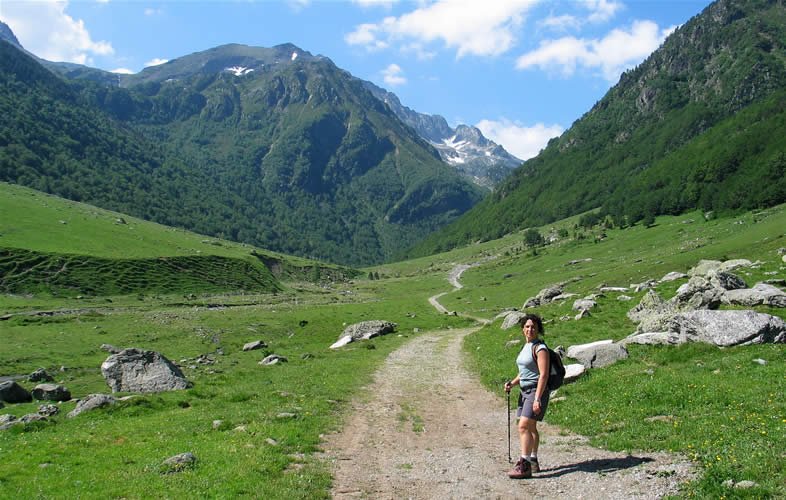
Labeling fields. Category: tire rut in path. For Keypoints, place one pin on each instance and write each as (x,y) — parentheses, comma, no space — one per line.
(426,428)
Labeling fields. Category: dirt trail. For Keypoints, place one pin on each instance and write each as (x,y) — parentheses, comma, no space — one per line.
(426,428)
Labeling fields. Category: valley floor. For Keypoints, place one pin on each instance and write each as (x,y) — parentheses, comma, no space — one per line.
(427,428)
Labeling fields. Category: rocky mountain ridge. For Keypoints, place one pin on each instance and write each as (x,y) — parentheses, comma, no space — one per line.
(465,148)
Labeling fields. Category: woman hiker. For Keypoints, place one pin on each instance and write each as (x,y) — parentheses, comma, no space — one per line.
(533,365)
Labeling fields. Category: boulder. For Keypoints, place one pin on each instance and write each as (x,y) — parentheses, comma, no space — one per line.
(32,417)
(760,294)
(646,285)
(11,392)
(728,328)
(178,463)
(363,331)
(573,371)
(652,338)
(726,280)
(48,410)
(91,402)
(273,359)
(576,350)
(110,348)
(730,265)
(703,267)
(40,375)
(545,296)
(257,344)
(583,313)
(652,312)
(137,370)
(584,304)
(606,289)
(598,354)
(7,420)
(51,392)
(697,293)
(673,276)
(512,319)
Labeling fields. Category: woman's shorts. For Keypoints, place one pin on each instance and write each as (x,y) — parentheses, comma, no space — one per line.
(526,398)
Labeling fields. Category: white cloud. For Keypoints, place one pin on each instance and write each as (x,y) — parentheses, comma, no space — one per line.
(602,10)
(298,5)
(375,3)
(560,23)
(522,142)
(393,75)
(123,71)
(153,12)
(156,62)
(47,31)
(468,26)
(611,55)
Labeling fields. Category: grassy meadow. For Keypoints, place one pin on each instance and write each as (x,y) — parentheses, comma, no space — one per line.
(716,406)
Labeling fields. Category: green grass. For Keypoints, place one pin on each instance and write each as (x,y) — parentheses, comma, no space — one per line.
(716,406)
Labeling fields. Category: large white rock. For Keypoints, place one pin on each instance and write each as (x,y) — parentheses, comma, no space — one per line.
(137,370)
(364,331)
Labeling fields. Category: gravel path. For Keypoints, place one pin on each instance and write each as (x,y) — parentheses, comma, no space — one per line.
(428,429)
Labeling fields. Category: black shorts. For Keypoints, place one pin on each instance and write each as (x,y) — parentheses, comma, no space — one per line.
(526,398)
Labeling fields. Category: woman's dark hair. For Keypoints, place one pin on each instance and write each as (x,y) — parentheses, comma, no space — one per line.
(535,319)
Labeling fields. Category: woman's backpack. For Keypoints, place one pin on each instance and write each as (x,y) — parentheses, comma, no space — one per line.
(556,368)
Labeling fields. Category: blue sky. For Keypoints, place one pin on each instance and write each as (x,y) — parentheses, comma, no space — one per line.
(521,70)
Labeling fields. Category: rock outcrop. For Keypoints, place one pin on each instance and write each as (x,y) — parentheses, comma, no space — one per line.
(137,370)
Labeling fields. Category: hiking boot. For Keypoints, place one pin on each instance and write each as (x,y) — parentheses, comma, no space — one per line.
(533,464)
(521,470)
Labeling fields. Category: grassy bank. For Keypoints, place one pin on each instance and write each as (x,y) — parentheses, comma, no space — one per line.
(716,406)
(719,407)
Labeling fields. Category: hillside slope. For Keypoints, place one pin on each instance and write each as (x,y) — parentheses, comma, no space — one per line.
(272,147)
(699,124)
(53,246)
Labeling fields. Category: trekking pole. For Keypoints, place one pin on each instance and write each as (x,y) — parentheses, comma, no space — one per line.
(510,459)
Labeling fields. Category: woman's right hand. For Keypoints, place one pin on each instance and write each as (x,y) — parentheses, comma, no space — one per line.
(508,386)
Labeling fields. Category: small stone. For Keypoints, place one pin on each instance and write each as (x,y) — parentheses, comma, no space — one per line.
(760,361)
(257,344)
(48,410)
(273,359)
(178,463)
(217,423)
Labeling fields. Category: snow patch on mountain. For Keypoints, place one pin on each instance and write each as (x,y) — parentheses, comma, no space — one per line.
(239,70)
(294,56)
(465,148)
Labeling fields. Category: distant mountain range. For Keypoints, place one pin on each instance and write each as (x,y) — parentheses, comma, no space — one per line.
(465,148)
(699,124)
(271,146)
(475,157)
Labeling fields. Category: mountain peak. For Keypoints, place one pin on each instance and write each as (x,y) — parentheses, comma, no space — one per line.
(8,35)
(234,58)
